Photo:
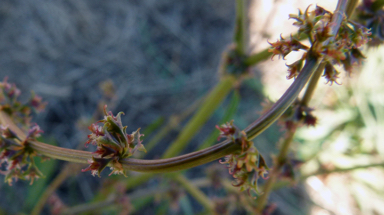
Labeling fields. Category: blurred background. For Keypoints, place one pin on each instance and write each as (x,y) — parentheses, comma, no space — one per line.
(155,60)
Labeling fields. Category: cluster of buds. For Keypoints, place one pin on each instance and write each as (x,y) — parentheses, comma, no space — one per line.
(113,144)
(18,155)
(316,25)
(371,14)
(288,168)
(15,152)
(297,115)
(20,112)
(247,165)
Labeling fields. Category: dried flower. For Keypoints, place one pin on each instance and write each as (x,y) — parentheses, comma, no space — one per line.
(247,165)
(113,144)
(283,47)
(342,49)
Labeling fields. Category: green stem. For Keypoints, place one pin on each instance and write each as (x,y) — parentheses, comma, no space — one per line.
(336,20)
(312,85)
(228,115)
(258,57)
(240,26)
(195,192)
(352,6)
(172,123)
(192,159)
(210,104)
(285,100)
(63,175)
(280,161)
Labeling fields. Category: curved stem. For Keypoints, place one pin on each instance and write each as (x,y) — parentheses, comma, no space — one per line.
(188,160)
(285,100)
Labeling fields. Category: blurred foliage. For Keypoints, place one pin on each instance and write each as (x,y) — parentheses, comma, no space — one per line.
(349,133)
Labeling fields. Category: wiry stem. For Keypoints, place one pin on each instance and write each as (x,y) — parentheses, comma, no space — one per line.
(188,160)
(336,22)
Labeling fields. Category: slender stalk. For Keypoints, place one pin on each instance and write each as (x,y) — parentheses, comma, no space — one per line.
(210,104)
(352,6)
(188,160)
(172,123)
(196,193)
(285,100)
(63,175)
(240,26)
(276,171)
(336,20)
(111,200)
(258,57)
(312,85)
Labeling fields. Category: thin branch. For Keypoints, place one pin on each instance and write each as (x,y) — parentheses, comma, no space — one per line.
(240,26)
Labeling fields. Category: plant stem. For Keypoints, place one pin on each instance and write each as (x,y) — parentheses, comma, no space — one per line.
(210,104)
(352,6)
(240,26)
(172,123)
(336,21)
(258,57)
(312,85)
(280,161)
(188,160)
(68,170)
(285,100)
(195,192)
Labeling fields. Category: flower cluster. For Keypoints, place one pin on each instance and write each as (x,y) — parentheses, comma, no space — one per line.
(15,152)
(18,155)
(297,115)
(371,14)
(283,47)
(10,104)
(113,144)
(247,165)
(288,169)
(316,25)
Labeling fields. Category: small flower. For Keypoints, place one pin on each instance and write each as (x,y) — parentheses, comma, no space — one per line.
(294,69)
(117,168)
(34,132)
(371,18)
(104,151)
(134,141)
(96,165)
(227,130)
(7,133)
(284,47)
(97,131)
(32,173)
(13,175)
(331,74)
(37,103)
